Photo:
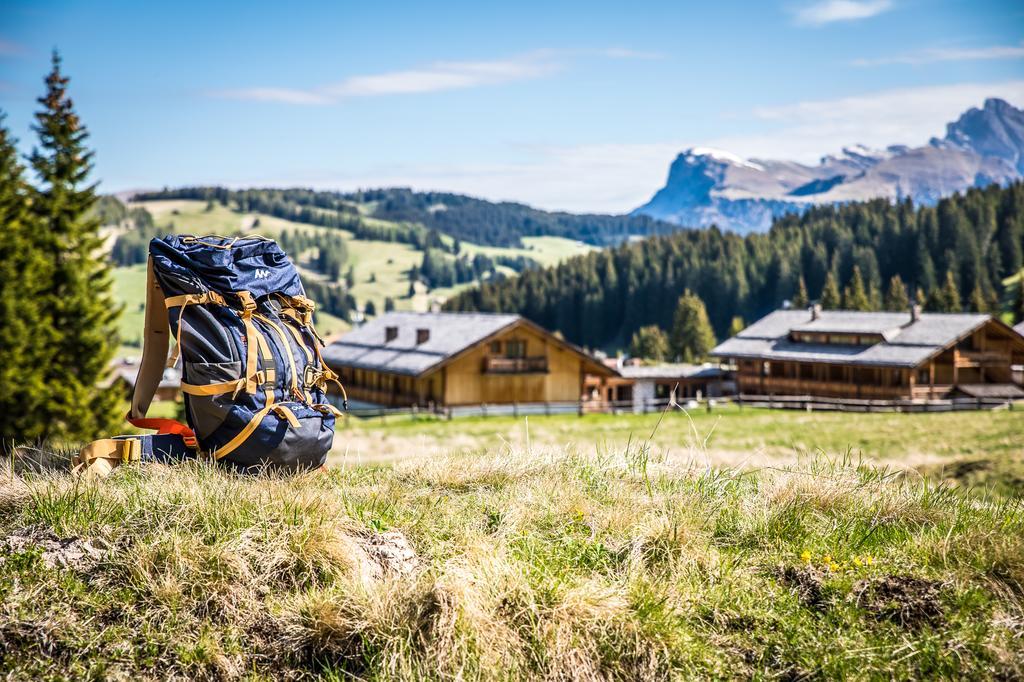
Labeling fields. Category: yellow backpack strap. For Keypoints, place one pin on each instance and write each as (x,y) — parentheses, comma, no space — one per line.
(155,342)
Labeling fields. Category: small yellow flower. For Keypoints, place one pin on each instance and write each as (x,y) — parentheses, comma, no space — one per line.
(857,562)
(806,556)
(827,559)
(869,559)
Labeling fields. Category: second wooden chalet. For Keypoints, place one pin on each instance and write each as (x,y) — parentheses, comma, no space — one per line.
(847,354)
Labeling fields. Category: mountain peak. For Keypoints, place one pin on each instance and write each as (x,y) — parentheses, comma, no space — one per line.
(996,130)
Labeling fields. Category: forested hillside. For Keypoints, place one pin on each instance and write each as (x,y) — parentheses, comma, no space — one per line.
(955,255)
(503,223)
(415,213)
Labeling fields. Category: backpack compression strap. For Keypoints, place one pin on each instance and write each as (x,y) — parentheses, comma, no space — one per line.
(155,342)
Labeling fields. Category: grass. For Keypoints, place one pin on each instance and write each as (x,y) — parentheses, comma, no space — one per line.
(977,448)
(533,564)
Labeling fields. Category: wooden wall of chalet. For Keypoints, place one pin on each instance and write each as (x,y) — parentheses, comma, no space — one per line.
(470,380)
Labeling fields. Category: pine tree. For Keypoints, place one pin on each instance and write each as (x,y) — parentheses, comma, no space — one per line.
(692,337)
(79,305)
(830,298)
(800,298)
(649,343)
(945,299)
(24,332)
(389,304)
(896,296)
(855,297)
(978,302)
(736,326)
(1018,300)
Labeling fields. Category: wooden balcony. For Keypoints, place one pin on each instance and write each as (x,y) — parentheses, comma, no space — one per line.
(535,365)
(839,389)
(976,358)
(926,392)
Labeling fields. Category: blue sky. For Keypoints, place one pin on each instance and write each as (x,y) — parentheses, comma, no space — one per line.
(571,105)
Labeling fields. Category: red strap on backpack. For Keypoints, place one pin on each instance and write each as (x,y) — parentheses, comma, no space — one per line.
(163,425)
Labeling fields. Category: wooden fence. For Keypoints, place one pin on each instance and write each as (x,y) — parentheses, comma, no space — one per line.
(803,403)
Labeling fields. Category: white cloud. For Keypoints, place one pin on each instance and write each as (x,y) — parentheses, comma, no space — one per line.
(829,11)
(436,77)
(806,130)
(596,178)
(949,54)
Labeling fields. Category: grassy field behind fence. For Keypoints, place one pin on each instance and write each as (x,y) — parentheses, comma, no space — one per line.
(972,448)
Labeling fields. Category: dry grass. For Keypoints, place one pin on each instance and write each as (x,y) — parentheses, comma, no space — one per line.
(548,564)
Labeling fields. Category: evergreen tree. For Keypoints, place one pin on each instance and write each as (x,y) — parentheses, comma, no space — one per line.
(830,298)
(1018,300)
(800,298)
(736,326)
(78,305)
(24,333)
(692,337)
(896,296)
(854,295)
(389,304)
(649,343)
(370,309)
(978,302)
(945,299)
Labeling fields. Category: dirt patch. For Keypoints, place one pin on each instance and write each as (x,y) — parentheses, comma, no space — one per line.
(807,581)
(902,599)
(75,553)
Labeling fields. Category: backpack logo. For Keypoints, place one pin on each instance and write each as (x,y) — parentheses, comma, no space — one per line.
(262,274)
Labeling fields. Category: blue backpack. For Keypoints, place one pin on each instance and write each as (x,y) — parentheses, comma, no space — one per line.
(253,378)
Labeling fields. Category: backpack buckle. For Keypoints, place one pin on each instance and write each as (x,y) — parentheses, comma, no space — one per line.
(311,377)
(248,303)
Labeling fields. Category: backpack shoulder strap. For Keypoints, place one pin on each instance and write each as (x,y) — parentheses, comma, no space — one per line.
(155,342)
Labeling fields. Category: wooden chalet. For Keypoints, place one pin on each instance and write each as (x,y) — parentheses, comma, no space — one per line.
(875,355)
(446,359)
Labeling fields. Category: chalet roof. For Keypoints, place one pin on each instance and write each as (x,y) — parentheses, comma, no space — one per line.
(669,371)
(1019,329)
(907,343)
(366,347)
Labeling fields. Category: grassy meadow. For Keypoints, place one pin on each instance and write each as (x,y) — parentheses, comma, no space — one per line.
(555,564)
(968,448)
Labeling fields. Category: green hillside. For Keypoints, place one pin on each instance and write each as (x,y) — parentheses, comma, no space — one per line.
(380,268)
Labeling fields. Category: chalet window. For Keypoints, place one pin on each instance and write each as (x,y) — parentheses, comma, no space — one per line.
(496,347)
(390,334)
(922,376)
(422,336)
(515,349)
